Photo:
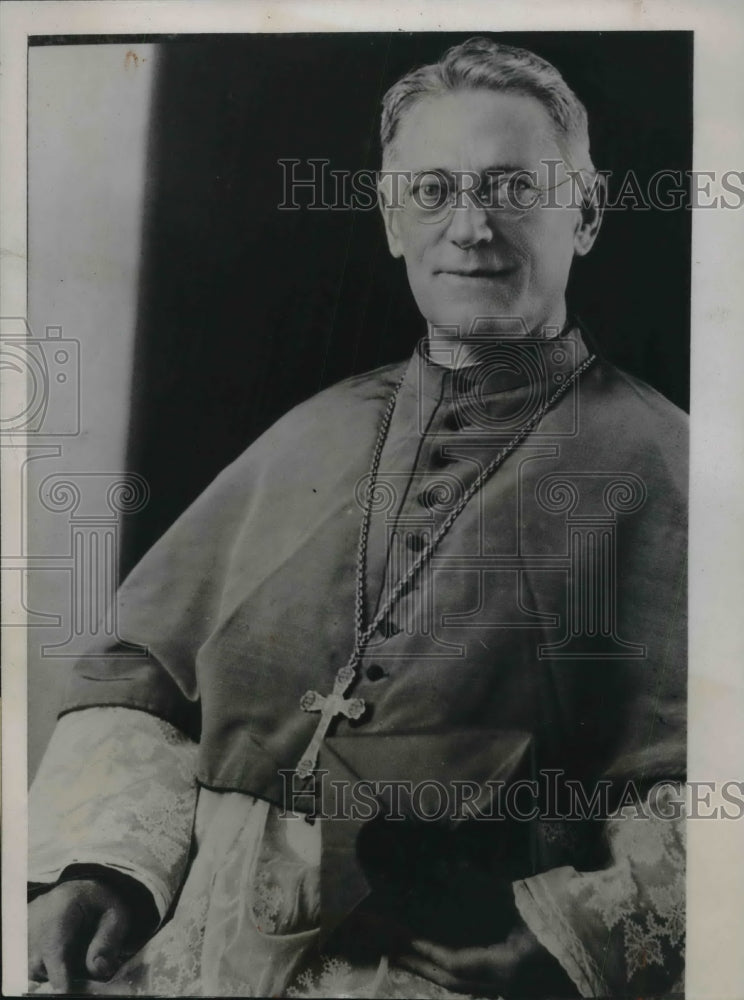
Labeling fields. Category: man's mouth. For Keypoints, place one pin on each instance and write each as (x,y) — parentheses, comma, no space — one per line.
(476,272)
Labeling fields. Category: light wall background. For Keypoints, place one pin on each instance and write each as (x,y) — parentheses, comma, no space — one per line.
(89,108)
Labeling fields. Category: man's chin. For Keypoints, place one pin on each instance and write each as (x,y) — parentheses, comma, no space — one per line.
(474,326)
(463,320)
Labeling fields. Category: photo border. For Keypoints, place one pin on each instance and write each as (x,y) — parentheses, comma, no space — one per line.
(715,959)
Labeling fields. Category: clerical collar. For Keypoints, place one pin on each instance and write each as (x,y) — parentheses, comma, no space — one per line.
(500,364)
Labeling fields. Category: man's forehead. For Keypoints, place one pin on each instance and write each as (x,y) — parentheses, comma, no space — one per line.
(474,130)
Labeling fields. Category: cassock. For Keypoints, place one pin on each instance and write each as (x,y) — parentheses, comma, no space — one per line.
(523,555)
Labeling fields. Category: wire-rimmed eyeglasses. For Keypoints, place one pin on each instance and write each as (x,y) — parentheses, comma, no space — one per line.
(432,196)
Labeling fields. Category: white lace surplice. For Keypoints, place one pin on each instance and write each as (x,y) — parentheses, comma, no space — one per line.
(244,921)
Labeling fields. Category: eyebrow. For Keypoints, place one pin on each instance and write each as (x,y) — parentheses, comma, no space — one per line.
(506,168)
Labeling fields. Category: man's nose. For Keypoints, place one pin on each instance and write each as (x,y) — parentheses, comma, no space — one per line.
(469,224)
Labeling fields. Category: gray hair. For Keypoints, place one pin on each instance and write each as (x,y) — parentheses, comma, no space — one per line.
(481,63)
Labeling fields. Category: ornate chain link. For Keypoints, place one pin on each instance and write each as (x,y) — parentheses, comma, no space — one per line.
(333,704)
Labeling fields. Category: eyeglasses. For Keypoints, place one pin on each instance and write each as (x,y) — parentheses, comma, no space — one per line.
(433,195)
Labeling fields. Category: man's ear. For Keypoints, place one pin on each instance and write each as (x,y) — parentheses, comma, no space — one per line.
(390,212)
(590,216)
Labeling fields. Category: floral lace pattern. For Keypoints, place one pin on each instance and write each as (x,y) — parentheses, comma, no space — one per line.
(627,920)
(267,902)
(140,816)
(245,923)
(649,898)
(337,978)
(170,964)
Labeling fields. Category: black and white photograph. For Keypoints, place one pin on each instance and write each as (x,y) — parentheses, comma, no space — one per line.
(348,421)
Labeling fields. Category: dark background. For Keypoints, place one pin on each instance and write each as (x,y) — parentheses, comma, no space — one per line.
(246,310)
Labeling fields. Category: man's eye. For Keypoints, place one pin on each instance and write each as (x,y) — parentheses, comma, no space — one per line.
(521,191)
(519,184)
(431,192)
(515,183)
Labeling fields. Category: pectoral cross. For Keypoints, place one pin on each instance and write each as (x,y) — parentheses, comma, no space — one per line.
(329,707)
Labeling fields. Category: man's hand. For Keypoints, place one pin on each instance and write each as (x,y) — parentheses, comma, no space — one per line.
(517,967)
(78,930)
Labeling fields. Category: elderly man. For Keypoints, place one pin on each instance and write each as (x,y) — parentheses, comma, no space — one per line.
(464,572)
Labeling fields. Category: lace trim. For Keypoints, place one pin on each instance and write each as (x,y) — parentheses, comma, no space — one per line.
(544,918)
(337,978)
(639,900)
(268,901)
(115,787)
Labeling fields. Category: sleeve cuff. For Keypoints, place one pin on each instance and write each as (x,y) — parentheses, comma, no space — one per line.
(539,910)
(115,789)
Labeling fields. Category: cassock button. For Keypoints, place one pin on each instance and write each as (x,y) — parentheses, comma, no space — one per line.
(375,672)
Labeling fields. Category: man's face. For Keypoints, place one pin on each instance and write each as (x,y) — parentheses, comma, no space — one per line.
(471,261)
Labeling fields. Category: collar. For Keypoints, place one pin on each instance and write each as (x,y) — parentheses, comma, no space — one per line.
(502,364)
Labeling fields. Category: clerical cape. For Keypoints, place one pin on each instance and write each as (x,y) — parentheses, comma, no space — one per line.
(546,631)
(554,606)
